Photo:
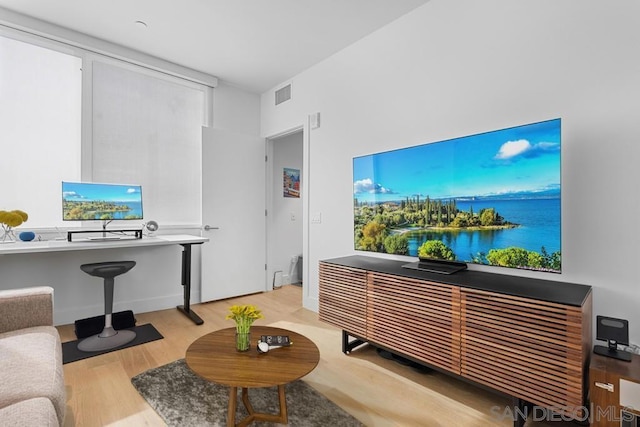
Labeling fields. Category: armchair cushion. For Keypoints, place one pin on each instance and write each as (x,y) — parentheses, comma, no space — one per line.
(33,412)
(30,359)
(26,308)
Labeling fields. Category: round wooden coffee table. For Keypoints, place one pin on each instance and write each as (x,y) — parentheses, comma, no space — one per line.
(214,358)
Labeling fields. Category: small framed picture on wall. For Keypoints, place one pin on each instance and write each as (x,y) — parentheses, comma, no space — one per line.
(291,182)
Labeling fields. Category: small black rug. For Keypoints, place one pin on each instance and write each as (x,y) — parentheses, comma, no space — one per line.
(182,398)
(144,334)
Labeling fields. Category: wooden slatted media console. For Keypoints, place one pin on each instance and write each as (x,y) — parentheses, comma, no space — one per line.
(524,337)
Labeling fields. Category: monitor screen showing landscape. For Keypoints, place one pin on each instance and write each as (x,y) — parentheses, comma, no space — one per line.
(85,201)
(491,198)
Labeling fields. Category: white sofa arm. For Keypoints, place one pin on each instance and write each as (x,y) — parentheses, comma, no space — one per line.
(25,308)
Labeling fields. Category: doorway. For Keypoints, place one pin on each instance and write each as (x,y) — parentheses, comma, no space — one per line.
(285,201)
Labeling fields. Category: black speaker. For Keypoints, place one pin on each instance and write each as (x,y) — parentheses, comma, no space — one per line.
(94,325)
(614,331)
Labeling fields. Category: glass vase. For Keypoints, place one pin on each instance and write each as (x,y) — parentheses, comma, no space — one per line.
(7,234)
(243,341)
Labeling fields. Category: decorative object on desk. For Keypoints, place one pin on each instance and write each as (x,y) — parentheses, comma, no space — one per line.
(182,398)
(152,227)
(27,236)
(244,316)
(9,220)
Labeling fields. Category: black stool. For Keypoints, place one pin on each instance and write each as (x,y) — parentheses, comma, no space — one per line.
(109,338)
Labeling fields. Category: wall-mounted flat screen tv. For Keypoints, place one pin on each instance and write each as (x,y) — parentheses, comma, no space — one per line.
(491,198)
(86,201)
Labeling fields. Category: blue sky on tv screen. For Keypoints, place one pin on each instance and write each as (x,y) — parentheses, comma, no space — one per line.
(84,191)
(522,161)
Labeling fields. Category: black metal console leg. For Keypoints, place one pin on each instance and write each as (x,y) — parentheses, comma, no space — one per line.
(186,284)
(347,345)
(521,410)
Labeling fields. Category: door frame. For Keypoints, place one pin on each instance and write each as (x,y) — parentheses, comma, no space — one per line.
(270,197)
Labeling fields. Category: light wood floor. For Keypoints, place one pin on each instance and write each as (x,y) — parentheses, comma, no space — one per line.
(378,392)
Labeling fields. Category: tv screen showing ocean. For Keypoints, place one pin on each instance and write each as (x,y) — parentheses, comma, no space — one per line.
(539,226)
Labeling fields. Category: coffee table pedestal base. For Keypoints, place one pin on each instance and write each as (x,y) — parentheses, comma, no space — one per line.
(280,418)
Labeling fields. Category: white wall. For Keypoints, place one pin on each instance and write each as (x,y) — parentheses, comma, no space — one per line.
(285,224)
(236,110)
(457,67)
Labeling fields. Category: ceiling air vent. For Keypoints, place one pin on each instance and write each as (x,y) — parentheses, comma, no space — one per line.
(283,94)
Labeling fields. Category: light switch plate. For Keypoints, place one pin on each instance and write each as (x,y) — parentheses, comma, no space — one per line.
(315,121)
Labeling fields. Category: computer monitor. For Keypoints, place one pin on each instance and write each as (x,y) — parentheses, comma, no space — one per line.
(91,201)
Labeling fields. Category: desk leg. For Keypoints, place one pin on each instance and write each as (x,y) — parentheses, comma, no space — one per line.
(186,284)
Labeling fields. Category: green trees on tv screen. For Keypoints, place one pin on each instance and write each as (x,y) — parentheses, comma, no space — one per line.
(384,227)
(91,210)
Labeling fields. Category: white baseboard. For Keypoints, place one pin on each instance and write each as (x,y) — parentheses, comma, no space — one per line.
(67,317)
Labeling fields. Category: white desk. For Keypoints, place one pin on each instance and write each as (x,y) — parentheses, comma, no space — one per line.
(81,245)
(186,241)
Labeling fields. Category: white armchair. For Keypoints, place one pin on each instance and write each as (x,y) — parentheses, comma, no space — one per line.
(31,377)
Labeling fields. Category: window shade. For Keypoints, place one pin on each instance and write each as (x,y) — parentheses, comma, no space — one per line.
(40,129)
(148,130)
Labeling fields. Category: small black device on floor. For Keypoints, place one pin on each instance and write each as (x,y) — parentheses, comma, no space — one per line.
(93,325)
(614,331)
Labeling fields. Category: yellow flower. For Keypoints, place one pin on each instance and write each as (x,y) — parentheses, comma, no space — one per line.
(244,316)
(13,218)
(22,214)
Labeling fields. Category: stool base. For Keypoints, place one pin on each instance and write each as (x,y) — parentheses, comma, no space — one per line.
(108,339)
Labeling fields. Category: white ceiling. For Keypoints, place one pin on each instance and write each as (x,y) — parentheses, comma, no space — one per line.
(255,44)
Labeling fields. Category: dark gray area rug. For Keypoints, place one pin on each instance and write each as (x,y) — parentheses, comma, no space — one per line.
(182,398)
